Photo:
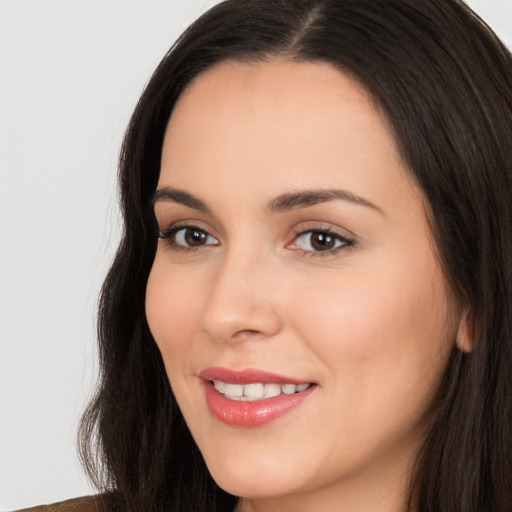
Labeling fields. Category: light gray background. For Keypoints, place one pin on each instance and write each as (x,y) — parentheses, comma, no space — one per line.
(70,74)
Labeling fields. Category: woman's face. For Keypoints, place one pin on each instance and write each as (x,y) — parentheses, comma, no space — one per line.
(295,253)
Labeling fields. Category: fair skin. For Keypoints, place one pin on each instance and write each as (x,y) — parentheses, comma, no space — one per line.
(345,294)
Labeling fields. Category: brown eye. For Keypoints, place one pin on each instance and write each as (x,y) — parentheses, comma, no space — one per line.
(316,241)
(322,241)
(187,236)
(194,237)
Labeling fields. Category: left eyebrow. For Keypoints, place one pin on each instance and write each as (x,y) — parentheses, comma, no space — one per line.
(307,198)
(175,195)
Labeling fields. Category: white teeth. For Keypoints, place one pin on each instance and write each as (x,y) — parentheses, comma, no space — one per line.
(272,390)
(256,390)
(289,389)
(219,386)
(234,390)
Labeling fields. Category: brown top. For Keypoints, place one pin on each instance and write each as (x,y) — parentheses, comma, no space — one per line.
(85,504)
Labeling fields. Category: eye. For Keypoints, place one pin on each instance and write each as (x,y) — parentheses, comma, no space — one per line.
(187,237)
(320,241)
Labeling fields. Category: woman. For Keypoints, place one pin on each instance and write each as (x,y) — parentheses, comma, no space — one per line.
(317,257)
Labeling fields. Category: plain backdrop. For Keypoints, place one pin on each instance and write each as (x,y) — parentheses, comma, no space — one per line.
(71,72)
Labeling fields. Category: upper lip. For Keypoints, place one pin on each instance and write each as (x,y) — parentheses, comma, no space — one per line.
(247,376)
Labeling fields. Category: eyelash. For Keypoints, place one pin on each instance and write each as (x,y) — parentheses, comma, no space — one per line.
(345,243)
(168,236)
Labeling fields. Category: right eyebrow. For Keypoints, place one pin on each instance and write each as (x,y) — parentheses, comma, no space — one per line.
(179,196)
(307,198)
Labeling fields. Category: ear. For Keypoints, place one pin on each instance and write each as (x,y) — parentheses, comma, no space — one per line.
(465,334)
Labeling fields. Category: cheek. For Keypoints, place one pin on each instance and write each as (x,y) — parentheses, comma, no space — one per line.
(172,309)
(383,339)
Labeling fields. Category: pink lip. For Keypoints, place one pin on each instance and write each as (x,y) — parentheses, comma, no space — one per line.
(250,414)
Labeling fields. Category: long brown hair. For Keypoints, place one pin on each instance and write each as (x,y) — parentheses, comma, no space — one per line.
(444,81)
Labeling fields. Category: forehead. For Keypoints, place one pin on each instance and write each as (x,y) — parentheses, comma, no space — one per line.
(280,124)
(278,78)
(281,90)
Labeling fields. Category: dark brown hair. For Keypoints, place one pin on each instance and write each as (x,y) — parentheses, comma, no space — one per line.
(444,81)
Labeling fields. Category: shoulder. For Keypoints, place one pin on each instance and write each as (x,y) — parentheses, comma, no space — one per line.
(99,503)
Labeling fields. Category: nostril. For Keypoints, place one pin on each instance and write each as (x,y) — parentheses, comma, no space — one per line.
(230,313)
(247,334)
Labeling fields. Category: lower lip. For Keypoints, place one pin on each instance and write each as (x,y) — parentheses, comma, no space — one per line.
(252,414)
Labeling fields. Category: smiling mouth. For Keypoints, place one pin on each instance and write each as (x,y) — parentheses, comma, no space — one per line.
(256,390)
(251,398)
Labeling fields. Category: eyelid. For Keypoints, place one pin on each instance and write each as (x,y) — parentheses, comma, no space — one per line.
(168,236)
(346,242)
(342,241)
(166,225)
(164,235)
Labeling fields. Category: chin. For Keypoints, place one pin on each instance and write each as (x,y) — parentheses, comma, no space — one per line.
(250,485)
(257,475)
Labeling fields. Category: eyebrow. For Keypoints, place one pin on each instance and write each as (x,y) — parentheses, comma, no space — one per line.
(280,204)
(307,198)
(179,196)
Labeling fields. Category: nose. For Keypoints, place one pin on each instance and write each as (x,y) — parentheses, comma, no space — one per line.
(242,303)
